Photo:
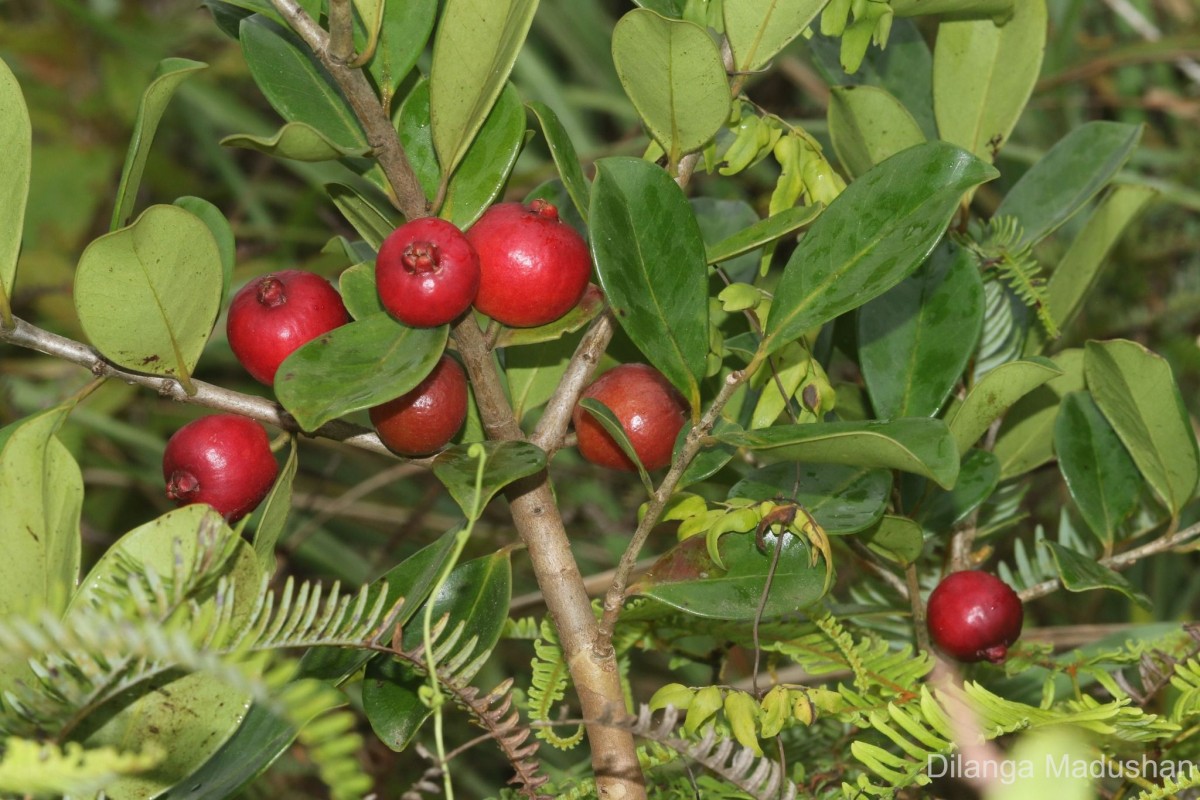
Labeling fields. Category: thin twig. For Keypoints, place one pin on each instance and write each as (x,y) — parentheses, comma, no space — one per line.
(918,608)
(556,416)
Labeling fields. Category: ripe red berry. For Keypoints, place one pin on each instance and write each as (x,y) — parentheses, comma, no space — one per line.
(427,273)
(648,408)
(533,267)
(425,419)
(277,313)
(224,460)
(974,616)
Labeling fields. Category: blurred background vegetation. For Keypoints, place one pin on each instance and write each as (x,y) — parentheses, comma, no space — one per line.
(83,64)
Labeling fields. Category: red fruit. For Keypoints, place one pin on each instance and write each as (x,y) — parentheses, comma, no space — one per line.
(223,460)
(427,273)
(425,419)
(649,409)
(277,313)
(974,616)
(533,267)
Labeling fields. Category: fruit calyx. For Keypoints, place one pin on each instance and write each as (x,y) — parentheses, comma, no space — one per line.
(270,292)
(420,257)
(182,485)
(544,208)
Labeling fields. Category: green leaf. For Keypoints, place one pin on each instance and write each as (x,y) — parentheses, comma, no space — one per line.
(1068,177)
(762,232)
(477,594)
(295,83)
(297,141)
(164,274)
(169,73)
(1079,269)
(613,427)
(1102,478)
(758,29)
(897,539)
(874,234)
(995,393)
(484,170)
(915,340)
(222,233)
(1137,393)
(867,125)
(359,365)
(1025,439)
(921,446)
(404,33)
(1082,573)
(586,310)
(722,219)
(273,519)
(16,143)
(357,287)
(673,74)
(565,159)
(687,578)
(474,50)
(977,479)
(649,255)
(533,373)
(372,217)
(842,499)
(983,75)
(998,10)
(506,462)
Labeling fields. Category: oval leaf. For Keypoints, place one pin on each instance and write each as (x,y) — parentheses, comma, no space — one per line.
(359,365)
(357,287)
(897,539)
(404,32)
(16,143)
(164,274)
(874,234)
(995,393)
(762,232)
(586,310)
(842,499)
(650,257)
(373,217)
(506,462)
(915,340)
(867,125)
(1137,393)
(921,446)
(673,74)
(978,476)
(297,141)
(1081,573)
(1026,437)
(758,29)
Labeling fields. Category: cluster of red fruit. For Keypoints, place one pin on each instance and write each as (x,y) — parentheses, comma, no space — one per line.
(519,265)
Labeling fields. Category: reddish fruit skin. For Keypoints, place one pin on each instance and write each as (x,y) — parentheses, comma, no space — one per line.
(974,616)
(649,409)
(533,267)
(427,273)
(223,460)
(275,314)
(425,419)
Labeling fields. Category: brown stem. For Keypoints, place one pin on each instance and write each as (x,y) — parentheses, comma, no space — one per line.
(556,416)
(341,31)
(918,608)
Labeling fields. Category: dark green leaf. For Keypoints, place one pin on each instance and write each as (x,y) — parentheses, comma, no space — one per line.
(16,143)
(373,217)
(563,153)
(586,310)
(867,125)
(708,461)
(1102,478)
(359,365)
(762,232)
(405,31)
(649,255)
(298,141)
(612,426)
(995,394)
(874,234)
(273,519)
(921,446)
(721,219)
(506,462)
(1026,437)
(915,340)
(222,233)
(1081,573)
(359,294)
(897,539)
(977,479)
(842,499)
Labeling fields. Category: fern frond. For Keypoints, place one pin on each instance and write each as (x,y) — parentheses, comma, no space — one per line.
(1031,569)
(548,686)
(525,628)
(997,244)
(41,768)
(1173,786)
(1187,680)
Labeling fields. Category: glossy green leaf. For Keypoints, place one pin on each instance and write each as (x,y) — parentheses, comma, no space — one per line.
(762,232)
(978,476)
(169,73)
(222,233)
(649,255)
(995,393)
(565,159)
(842,499)
(873,235)
(687,578)
(586,310)
(474,50)
(983,75)
(477,593)
(1101,476)
(719,219)
(164,274)
(914,340)
(1068,177)
(867,125)
(297,141)
(359,294)
(484,169)
(1079,269)
(897,539)
(16,143)
(1137,393)
(506,462)
(758,29)
(919,445)
(673,74)
(273,519)
(372,217)
(533,373)
(613,427)
(296,84)
(1082,573)
(359,365)
(405,31)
